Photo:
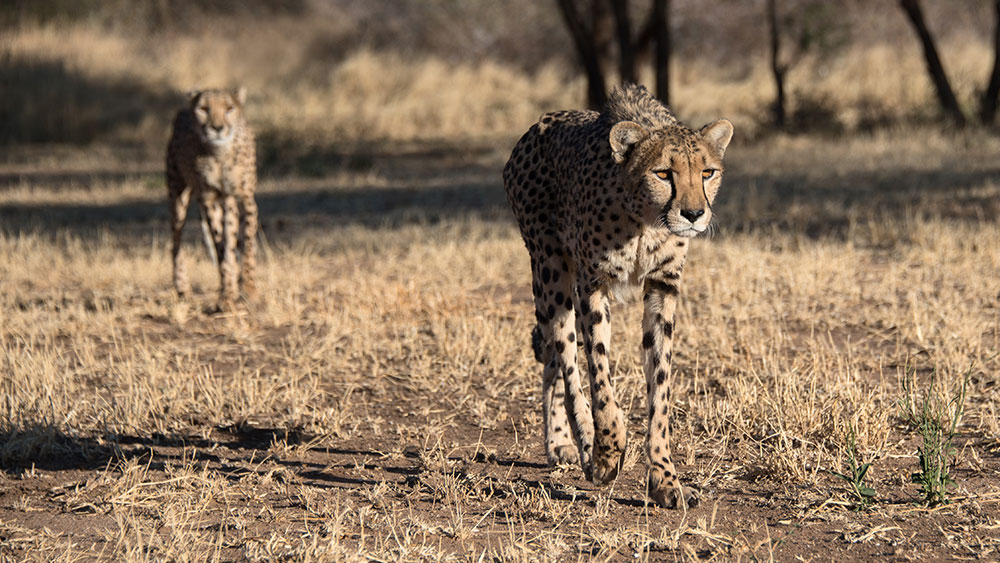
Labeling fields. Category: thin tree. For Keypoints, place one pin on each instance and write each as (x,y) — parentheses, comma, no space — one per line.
(626,50)
(778,69)
(660,22)
(988,103)
(592,43)
(945,95)
(590,46)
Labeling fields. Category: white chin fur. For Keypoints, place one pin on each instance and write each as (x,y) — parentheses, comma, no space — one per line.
(687,231)
(216,141)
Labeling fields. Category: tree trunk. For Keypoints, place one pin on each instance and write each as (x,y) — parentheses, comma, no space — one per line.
(626,52)
(942,88)
(661,34)
(988,103)
(644,41)
(777,69)
(587,49)
(602,29)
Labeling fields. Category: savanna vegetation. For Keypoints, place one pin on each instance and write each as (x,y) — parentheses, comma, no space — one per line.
(837,342)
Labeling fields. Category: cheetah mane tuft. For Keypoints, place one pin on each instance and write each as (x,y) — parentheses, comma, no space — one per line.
(632,102)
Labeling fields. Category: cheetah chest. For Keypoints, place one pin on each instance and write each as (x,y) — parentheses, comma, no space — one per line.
(217,174)
(653,253)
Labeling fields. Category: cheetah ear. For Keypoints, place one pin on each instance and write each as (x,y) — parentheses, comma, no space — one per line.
(192,94)
(241,95)
(718,134)
(624,137)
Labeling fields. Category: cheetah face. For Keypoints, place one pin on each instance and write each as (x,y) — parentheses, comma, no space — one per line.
(217,113)
(671,175)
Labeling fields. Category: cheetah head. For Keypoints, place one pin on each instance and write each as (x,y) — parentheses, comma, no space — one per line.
(672,174)
(218,113)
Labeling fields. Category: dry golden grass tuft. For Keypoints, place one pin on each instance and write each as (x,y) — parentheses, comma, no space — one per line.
(380,401)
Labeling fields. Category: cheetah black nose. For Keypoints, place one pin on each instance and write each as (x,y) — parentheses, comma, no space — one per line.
(218,128)
(692,214)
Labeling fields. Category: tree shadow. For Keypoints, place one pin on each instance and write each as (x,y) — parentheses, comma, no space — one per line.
(422,190)
(830,205)
(236,452)
(308,186)
(52,103)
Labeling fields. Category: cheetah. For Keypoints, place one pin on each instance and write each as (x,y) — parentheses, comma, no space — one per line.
(211,157)
(606,204)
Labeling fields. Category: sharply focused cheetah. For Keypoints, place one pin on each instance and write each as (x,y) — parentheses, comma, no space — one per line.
(606,203)
(211,157)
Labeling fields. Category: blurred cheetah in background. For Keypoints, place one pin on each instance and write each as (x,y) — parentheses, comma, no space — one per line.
(211,157)
(606,203)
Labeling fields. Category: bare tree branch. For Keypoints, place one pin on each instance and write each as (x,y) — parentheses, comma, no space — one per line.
(988,103)
(945,95)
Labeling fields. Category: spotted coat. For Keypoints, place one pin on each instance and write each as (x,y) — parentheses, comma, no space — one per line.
(211,158)
(606,203)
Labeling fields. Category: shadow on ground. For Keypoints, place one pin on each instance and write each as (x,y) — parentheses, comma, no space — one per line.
(237,451)
(434,183)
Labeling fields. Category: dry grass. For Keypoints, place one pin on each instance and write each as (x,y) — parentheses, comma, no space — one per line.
(380,401)
(119,85)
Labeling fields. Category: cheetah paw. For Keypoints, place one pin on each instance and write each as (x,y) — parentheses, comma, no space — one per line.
(563,455)
(675,497)
(606,465)
(221,307)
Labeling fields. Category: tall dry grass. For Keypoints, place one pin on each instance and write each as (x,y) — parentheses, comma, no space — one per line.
(84,82)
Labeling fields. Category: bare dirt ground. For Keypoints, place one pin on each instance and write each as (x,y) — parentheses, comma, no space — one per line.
(380,401)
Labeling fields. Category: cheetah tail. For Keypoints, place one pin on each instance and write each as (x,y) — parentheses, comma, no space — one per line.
(209,243)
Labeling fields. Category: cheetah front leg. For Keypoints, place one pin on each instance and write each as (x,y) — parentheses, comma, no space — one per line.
(609,420)
(248,244)
(212,224)
(219,218)
(180,197)
(660,301)
(228,266)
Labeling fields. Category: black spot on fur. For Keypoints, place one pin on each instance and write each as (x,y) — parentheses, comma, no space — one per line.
(647,340)
(537,343)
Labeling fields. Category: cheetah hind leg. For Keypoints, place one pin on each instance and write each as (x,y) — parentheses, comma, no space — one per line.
(560,448)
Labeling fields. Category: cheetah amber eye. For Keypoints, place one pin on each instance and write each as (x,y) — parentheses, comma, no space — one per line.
(663,174)
(706,174)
